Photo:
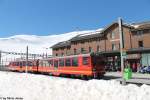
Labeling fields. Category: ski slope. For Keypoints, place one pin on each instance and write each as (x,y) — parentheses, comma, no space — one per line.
(41,87)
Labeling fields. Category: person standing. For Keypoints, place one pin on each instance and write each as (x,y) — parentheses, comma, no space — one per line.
(138,66)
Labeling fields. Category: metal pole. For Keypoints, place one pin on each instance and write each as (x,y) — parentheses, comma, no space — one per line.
(27,60)
(121,48)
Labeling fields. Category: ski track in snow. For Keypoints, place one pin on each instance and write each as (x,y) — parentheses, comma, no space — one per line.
(41,87)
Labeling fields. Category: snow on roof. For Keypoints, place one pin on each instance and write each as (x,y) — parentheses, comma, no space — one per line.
(91,33)
(139,24)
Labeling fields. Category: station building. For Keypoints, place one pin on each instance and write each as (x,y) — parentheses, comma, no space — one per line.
(136,37)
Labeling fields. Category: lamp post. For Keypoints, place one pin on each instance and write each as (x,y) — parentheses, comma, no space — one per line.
(121,48)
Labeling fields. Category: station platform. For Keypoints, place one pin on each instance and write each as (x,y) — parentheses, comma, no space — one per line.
(137,78)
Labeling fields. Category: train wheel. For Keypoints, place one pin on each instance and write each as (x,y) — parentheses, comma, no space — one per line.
(84,77)
(72,76)
(89,77)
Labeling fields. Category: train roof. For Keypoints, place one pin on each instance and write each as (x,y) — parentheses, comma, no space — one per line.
(24,60)
(83,55)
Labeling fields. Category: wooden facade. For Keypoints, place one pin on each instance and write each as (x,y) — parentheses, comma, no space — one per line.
(136,43)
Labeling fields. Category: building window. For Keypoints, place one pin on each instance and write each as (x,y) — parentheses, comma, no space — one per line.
(82,42)
(113,47)
(75,43)
(82,50)
(112,35)
(140,43)
(98,48)
(56,54)
(62,54)
(75,51)
(139,33)
(68,48)
(56,49)
(90,49)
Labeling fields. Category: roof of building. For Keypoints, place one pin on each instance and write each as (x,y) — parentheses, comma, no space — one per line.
(87,36)
(141,25)
(100,33)
(61,44)
(116,23)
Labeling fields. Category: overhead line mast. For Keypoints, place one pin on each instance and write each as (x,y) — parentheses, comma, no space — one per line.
(121,48)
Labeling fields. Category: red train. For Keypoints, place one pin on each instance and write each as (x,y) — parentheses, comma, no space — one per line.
(85,65)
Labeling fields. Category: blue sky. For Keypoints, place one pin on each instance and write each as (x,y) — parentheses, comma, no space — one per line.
(45,17)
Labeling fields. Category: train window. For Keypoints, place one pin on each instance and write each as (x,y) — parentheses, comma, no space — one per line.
(29,63)
(68,63)
(100,62)
(75,61)
(24,63)
(50,63)
(45,63)
(61,62)
(17,63)
(34,63)
(56,63)
(20,63)
(13,63)
(85,60)
(40,63)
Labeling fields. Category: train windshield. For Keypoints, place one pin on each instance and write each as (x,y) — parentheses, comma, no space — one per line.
(98,61)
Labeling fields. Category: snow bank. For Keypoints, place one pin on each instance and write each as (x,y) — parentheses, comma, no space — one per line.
(41,87)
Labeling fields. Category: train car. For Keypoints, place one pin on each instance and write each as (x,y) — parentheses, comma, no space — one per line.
(85,65)
(20,66)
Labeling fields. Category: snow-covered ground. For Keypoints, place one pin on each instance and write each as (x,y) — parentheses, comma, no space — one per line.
(41,87)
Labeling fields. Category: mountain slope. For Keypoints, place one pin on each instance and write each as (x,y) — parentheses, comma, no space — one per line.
(37,44)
